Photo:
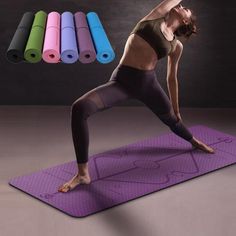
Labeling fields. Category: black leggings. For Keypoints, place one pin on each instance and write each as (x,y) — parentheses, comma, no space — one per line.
(125,82)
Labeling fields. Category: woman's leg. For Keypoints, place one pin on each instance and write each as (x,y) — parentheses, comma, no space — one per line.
(144,86)
(157,100)
(96,100)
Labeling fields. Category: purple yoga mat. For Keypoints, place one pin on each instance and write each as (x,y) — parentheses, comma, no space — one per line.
(134,170)
(87,53)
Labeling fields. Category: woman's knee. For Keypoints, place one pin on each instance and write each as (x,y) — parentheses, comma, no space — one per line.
(83,108)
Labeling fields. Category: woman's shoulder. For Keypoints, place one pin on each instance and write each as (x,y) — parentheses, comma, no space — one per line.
(177,44)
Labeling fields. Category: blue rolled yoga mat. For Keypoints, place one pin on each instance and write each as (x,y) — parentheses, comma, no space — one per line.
(105,53)
(69,51)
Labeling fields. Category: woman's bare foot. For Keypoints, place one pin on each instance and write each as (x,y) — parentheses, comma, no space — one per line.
(200,145)
(76,180)
(81,178)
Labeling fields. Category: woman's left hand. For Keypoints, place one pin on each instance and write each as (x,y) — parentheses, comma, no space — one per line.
(178,116)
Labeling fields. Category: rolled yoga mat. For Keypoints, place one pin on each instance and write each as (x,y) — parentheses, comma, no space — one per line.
(15,51)
(69,51)
(105,53)
(87,53)
(51,47)
(33,50)
(129,172)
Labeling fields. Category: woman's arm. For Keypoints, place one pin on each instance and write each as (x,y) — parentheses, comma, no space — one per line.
(165,6)
(161,9)
(172,81)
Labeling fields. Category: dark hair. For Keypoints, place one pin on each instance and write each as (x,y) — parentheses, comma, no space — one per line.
(187,30)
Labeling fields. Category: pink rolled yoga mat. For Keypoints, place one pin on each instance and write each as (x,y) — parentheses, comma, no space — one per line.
(87,53)
(51,48)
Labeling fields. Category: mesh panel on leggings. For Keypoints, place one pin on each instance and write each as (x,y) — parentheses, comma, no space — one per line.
(95,98)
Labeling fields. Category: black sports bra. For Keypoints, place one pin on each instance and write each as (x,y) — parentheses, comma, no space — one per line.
(150,31)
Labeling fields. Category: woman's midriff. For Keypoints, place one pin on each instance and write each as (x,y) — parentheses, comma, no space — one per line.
(139,54)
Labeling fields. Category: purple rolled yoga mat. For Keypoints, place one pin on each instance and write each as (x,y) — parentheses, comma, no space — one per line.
(69,51)
(87,53)
(129,172)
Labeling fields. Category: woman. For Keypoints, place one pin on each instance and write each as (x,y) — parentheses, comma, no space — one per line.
(153,38)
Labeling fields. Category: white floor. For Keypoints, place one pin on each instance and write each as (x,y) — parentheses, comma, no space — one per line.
(37,137)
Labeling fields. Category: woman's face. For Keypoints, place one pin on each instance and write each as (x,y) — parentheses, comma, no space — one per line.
(182,12)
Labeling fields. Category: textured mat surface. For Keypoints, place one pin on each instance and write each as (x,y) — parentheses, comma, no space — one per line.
(130,171)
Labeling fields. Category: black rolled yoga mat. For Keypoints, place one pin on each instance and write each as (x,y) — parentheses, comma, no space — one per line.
(15,52)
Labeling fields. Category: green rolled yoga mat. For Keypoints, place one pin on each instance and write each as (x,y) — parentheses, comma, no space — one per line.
(33,50)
